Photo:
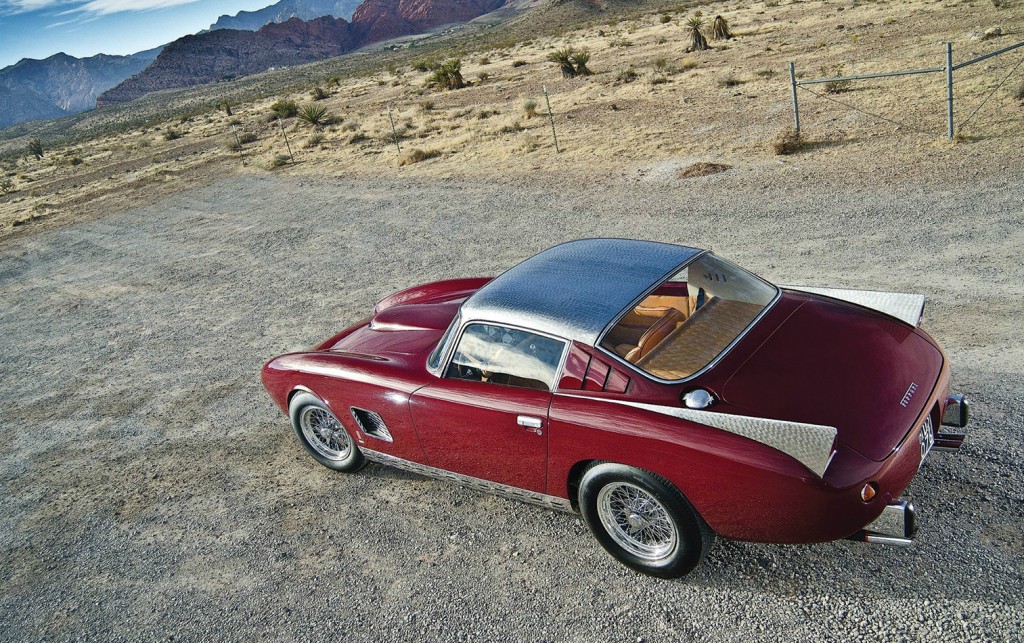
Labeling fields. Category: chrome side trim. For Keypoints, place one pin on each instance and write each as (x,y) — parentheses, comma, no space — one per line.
(888,540)
(905,307)
(809,444)
(478,484)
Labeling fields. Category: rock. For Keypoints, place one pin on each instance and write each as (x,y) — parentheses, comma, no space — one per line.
(993,32)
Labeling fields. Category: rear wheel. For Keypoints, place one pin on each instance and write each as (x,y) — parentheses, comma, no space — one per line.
(322,435)
(643,520)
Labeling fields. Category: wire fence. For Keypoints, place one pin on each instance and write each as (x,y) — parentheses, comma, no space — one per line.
(971,93)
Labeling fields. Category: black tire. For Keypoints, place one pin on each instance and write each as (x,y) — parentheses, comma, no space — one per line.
(322,435)
(667,538)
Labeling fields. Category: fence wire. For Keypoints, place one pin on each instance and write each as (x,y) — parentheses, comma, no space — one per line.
(972,89)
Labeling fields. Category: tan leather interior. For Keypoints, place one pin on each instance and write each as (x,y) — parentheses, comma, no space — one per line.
(655,334)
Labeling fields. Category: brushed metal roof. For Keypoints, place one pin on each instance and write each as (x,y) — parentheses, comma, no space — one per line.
(574,290)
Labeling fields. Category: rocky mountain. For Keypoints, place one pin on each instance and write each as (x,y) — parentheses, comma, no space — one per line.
(284,10)
(62,84)
(229,53)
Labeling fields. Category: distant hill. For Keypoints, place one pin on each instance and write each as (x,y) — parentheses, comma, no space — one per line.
(226,54)
(284,10)
(61,84)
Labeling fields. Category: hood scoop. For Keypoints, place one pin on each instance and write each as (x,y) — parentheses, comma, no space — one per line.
(414,317)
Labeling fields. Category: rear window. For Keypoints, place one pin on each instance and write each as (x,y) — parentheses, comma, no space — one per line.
(690,319)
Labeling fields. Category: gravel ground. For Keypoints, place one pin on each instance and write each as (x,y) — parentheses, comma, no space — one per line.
(152,491)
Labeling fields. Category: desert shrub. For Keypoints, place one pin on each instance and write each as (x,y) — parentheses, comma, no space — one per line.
(530,108)
(333,81)
(511,128)
(626,76)
(279,160)
(235,121)
(247,137)
(225,106)
(482,76)
(697,40)
(6,186)
(171,134)
(318,93)
(315,115)
(425,64)
(518,63)
(765,73)
(720,29)
(661,65)
(448,76)
(484,60)
(350,126)
(426,105)
(788,142)
(35,148)
(835,86)
(232,143)
(484,114)
(314,140)
(665,18)
(771,3)
(417,156)
(730,81)
(1019,92)
(620,41)
(284,108)
(357,137)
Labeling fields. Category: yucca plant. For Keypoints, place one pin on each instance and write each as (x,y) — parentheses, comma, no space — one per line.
(315,115)
(580,59)
(699,42)
(448,75)
(720,29)
(564,59)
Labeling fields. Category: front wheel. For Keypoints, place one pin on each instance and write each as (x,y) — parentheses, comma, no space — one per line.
(322,434)
(643,520)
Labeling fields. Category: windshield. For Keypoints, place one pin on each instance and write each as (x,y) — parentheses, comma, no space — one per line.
(434,361)
(690,319)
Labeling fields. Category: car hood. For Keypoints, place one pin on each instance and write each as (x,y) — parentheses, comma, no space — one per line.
(840,365)
(405,329)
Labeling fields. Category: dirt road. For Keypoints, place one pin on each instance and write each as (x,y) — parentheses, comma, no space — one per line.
(151,490)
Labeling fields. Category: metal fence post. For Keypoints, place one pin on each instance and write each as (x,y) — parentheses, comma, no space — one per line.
(949,88)
(551,117)
(796,106)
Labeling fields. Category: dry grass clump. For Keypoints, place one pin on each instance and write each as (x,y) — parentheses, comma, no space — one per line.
(530,108)
(284,108)
(172,134)
(789,141)
(835,86)
(701,169)
(518,63)
(279,160)
(417,156)
(1019,92)
(314,140)
(318,93)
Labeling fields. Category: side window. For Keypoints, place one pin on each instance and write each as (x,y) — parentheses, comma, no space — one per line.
(508,356)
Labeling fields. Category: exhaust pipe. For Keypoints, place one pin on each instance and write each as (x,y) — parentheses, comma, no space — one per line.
(895,526)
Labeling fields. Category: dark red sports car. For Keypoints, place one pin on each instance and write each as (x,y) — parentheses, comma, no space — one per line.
(662,392)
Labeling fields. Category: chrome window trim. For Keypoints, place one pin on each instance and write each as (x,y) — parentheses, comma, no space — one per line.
(725,351)
(466,324)
(443,359)
(478,484)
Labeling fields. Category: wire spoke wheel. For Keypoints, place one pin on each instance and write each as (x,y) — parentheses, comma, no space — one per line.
(325,433)
(637,521)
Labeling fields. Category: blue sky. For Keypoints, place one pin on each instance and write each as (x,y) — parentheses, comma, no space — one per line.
(41,28)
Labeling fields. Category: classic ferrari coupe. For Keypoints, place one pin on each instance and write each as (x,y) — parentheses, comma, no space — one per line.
(662,392)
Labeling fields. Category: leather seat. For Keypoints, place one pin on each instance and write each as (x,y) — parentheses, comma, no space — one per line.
(655,334)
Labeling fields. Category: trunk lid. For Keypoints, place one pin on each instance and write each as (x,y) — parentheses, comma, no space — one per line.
(840,365)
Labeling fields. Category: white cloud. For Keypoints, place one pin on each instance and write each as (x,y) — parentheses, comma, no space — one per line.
(94,7)
(105,7)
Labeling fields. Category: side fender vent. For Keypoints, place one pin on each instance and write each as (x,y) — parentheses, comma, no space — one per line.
(372,424)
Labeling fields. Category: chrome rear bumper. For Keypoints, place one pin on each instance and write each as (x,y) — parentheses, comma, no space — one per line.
(895,526)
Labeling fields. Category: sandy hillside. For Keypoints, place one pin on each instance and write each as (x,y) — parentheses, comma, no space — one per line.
(649,109)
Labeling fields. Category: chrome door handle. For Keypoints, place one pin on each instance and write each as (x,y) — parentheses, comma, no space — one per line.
(532,424)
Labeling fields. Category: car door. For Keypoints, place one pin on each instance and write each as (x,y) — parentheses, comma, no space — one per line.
(487,415)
